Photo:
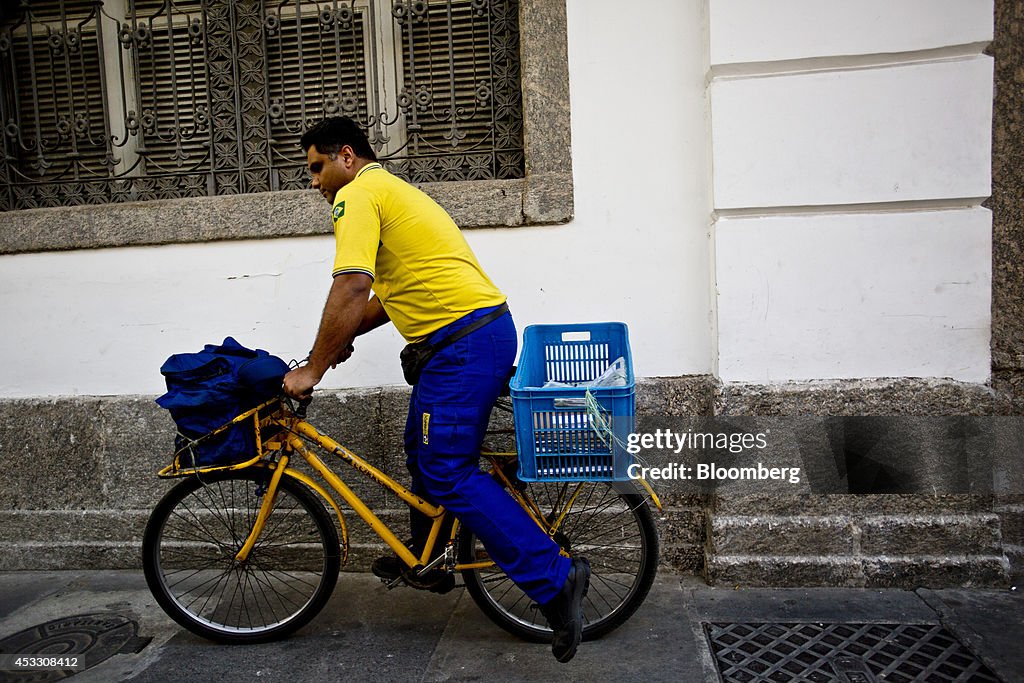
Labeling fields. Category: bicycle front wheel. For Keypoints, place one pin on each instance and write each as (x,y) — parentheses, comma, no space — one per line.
(615,531)
(194,533)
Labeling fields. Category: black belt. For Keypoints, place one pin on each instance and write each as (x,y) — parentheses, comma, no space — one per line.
(416,356)
(470,328)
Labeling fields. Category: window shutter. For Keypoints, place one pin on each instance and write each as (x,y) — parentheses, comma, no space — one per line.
(454,136)
(312,74)
(173,107)
(64,91)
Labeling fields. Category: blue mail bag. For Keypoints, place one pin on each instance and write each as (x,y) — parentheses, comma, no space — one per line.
(209,388)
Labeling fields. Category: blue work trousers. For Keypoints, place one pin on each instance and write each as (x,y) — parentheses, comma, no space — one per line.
(448,414)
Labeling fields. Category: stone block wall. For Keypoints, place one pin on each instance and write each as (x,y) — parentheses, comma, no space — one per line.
(1005,203)
(80,481)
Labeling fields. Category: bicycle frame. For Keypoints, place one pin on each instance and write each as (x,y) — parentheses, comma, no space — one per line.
(294,437)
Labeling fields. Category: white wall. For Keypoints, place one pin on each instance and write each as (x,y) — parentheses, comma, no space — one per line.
(901,133)
(750,31)
(101,322)
(810,296)
(849,150)
(850,241)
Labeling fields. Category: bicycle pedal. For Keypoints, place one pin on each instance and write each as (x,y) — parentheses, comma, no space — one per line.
(393,583)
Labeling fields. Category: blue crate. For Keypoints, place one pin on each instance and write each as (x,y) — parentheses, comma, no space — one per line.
(555,435)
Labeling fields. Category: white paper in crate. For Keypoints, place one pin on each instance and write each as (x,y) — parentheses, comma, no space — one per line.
(613,376)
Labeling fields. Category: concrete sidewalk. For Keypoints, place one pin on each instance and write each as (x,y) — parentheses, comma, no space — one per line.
(367,633)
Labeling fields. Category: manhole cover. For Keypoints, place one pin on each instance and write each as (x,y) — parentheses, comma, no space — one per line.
(91,637)
(842,653)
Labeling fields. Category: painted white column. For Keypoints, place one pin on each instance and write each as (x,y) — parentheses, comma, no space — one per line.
(851,153)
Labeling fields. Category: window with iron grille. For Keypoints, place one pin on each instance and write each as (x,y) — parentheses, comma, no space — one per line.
(128,100)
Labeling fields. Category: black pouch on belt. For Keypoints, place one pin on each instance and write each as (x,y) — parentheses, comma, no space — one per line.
(415,357)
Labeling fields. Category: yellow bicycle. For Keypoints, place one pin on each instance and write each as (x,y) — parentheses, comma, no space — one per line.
(248,552)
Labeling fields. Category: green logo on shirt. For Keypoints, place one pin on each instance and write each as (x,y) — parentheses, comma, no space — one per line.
(339,210)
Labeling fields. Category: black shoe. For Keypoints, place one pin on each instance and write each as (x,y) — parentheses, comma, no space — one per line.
(565,611)
(390,568)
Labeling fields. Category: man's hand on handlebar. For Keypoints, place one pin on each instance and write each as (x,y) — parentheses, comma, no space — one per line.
(299,383)
(343,355)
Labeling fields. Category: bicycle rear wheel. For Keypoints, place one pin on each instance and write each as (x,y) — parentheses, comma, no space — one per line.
(189,549)
(614,530)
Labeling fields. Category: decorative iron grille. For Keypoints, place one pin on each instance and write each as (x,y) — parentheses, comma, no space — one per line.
(129,100)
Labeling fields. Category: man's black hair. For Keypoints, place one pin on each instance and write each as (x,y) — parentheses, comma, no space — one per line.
(330,135)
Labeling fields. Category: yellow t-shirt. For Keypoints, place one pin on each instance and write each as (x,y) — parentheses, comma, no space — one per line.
(423,271)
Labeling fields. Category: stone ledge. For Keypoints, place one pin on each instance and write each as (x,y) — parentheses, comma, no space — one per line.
(1011,527)
(907,572)
(295,213)
(808,571)
(682,526)
(905,396)
(977,534)
(854,535)
(72,526)
(922,571)
(781,536)
(683,558)
(54,555)
(850,504)
(686,396)
(1015,556)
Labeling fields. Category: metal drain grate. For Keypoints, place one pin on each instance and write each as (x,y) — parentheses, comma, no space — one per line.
(843,653)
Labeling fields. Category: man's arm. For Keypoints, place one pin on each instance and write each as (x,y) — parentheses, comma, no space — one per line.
(344,315)
(373,317)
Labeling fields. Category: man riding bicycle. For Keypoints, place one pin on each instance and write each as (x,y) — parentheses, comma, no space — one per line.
(393,239)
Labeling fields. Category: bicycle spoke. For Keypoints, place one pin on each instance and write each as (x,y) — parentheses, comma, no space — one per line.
(202,610)
(496,578)
(511,587)
(295,578)
(267,580)
(193,539)
(229,517)
(257,603)
(608,584)
(611,529)
(210,506)
(277,519)
(579,515)
(186,578)
(198,523)
(518,600)
(177,551)
(590,599)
